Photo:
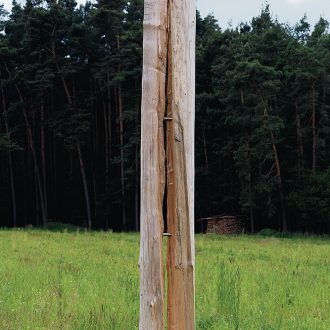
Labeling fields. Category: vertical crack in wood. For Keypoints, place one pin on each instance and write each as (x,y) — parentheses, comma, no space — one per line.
(167,164)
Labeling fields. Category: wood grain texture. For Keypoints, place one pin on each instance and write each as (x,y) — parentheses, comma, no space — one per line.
(153,165)
(180,164)
(169,60)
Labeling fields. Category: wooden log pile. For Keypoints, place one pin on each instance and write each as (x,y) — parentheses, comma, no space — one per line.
(224,224)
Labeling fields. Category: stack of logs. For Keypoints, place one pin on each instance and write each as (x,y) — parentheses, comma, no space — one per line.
(224,224)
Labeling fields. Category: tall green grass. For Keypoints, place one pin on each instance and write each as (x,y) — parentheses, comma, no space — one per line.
(80,280)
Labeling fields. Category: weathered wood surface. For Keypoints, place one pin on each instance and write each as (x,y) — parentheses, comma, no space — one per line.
(153,165)
(169,60)
(180,164)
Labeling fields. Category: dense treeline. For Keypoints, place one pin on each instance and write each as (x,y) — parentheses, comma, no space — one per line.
(70,108)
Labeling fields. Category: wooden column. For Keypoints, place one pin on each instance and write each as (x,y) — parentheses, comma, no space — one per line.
(153,165)
(168,60)
(180,165)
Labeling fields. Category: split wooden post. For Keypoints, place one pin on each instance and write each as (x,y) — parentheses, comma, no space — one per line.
(167,160)
(180,165)
(152,165)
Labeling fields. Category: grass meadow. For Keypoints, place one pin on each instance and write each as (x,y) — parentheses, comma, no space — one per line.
(81,280)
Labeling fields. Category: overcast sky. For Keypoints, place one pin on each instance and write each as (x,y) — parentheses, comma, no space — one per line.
(236,11)
(290,11)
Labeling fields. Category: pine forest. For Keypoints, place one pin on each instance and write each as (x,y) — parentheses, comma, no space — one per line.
(70,118)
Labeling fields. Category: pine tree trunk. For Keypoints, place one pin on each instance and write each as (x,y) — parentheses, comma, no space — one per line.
(207,179)
(25,209)
(34,155)
(106,133)
(280,185)
(252,222)
(121,142)
(122,170)
(10,163)
(85,184)
(251,205)
(12,184)
(54,190)
(278,169)
(37,199)
(109,117)
(43,153)
(205,150)
(313,129)
(108,127)
(95,149)
(300,148)
(80,156)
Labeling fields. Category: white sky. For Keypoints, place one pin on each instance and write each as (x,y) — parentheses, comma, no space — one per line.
(236,11)
(290,11)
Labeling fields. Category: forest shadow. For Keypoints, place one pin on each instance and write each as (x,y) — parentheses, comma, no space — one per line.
(267,232)
(58,227)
